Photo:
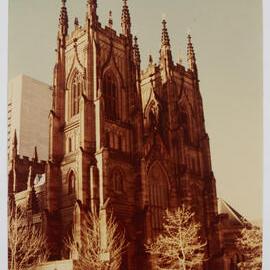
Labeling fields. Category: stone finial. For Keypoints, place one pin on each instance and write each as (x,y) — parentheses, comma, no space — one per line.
(150,59)
(76,22)
(125,19)
(35,155)
(137,56)
(92,3)
(15,145)
(15,140)
(191,58)
(63,19)
(110,21)
(165,40)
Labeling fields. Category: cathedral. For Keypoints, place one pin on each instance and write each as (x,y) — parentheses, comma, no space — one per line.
(131,139)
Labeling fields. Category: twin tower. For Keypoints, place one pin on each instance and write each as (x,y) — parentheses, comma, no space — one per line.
(129,139)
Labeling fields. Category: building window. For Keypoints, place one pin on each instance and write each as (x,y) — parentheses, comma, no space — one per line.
(118,183)
(158,197)
(71,183)
(76,91)
(110,96)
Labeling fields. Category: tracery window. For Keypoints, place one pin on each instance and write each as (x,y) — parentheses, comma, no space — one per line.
(110,96)
(158,197)
(71,183)
(76,91)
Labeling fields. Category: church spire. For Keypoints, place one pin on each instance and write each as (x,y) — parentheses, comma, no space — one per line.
(63,20)
(92,11)
(35,155)
(110,21)
(165,51)
(165,39)
(150,60)
(15,145)
(137,56)
(191,58)
(125,19)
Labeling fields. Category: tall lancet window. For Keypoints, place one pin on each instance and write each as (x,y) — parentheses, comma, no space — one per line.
(159,202)
(71,183)
(110,96)
(76,91)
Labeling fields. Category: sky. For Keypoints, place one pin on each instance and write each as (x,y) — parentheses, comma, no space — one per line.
(227,37)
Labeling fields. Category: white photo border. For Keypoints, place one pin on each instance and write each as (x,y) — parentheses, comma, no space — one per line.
(3,132)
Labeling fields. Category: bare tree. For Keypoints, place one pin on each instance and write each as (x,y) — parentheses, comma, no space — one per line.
(179,245)
(102,244)
(250,245)
(26,242)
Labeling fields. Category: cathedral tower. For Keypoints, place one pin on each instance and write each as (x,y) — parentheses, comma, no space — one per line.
(132,140)
(95,125)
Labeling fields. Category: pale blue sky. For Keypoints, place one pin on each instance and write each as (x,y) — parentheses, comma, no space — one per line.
(227,37)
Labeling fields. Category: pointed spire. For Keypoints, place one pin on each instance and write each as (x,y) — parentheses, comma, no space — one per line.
(15,145)
(137,56)
(165,40)
(125,19)
(76,23)
(35,155)
(15,140)
(191,58)
(92,11)
(110,21)
(63,19)
(150,59)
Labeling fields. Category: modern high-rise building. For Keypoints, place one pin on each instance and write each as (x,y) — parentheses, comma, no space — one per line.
(29,104)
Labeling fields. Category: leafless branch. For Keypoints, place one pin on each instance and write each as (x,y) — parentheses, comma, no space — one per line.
(250,245)
(90,251)
(179,246)
(27,244)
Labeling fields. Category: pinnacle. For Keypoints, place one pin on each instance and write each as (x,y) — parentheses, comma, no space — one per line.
(125,19)
(165,40)
(137,55)
(110,22)
(63,19)
(150,59)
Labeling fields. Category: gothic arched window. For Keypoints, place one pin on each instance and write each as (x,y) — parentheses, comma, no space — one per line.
(118,181)
(71,183)
(76,91)
(110,96)
(158,197)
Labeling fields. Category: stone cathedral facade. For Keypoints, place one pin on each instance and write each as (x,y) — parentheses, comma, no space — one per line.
(131,139)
